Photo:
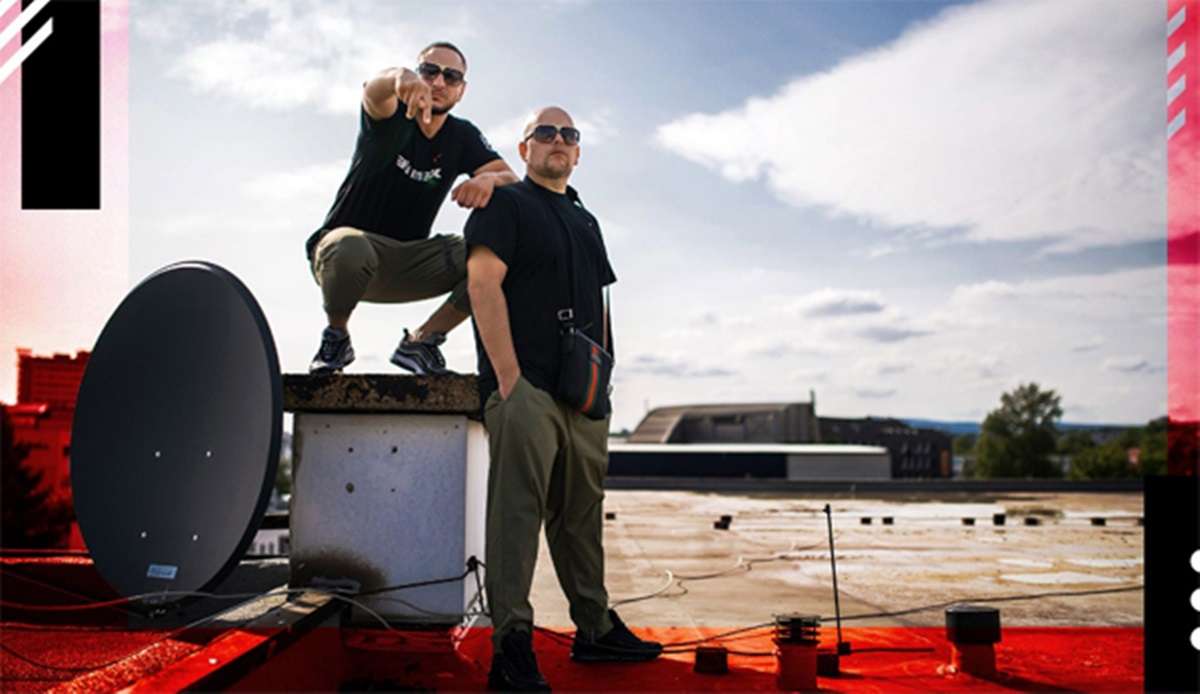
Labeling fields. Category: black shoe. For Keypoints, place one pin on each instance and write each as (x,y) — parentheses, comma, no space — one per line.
(515,668)
(422,358)
(334,354)
(619,645)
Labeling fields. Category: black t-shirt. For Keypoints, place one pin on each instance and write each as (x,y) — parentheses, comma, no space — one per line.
(521,227)
(399,178)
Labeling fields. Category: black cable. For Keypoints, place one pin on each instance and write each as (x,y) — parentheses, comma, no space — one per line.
(483,605)
(473,565)
(1001,598)
(417,584)
(116,604)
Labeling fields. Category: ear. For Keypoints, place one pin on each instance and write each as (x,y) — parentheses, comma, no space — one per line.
(577,151)
(523,150)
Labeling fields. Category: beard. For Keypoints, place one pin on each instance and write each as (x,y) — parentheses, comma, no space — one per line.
(553,167)
(441,110)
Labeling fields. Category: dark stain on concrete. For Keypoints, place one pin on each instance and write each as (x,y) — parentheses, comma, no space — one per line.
(333,563)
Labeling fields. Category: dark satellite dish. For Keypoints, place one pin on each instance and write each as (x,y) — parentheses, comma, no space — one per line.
(176,434)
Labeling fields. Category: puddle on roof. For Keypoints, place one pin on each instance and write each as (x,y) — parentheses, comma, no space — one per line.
(1060,578)
(1028,563)
(1107,563)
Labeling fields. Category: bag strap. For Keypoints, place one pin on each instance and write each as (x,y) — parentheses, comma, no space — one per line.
(566,316)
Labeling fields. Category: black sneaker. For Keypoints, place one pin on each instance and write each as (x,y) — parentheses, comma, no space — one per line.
(335,353)
(515,668)
(619,645)
(422,358)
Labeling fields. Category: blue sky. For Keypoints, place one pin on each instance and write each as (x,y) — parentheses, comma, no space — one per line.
(906,207)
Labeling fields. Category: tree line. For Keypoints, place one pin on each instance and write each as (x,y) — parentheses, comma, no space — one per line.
(1022,438)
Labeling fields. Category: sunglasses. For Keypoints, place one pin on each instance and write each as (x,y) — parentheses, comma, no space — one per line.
(545,134)
(430,71)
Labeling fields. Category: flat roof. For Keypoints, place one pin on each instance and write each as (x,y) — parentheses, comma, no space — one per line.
(778,448)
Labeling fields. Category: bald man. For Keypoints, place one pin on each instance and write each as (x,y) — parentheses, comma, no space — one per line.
(548,461)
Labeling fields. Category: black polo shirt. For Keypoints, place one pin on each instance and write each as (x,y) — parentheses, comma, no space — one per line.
(398,178)
(529,227)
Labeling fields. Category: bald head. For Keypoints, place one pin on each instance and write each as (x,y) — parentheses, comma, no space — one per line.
(550,163)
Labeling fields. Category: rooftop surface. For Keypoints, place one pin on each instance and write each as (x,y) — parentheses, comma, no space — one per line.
(790,448)
(774,558)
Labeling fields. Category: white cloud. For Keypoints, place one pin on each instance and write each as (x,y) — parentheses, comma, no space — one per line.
(878,366)
(881,251)
(1009,120)
(838,302)
(285,56)
(674,366)
(313,181)
(967,367)
(810,376)
(1125,295)
(1128,364)
(890,333)
(1089,345)
(779,345)
(875,393)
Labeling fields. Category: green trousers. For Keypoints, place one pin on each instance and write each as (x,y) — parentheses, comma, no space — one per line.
(548,464)
(352,265)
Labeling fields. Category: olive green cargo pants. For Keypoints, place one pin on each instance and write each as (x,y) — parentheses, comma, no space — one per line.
(548,464)
(352,265)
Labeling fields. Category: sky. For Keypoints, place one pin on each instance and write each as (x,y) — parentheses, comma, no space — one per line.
(903,208)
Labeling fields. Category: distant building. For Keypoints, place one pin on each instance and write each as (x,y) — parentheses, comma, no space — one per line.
(915,452)
(747,423)
(51,380)
(41,420)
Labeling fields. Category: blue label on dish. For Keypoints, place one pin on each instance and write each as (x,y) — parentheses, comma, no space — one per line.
(166,571)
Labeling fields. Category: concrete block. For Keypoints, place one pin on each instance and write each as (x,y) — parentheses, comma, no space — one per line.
(387,499)
(393,393)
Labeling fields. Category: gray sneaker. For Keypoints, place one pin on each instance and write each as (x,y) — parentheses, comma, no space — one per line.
(422,358)
(335,352)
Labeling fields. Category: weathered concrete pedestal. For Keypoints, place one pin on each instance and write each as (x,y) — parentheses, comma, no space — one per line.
(389,487)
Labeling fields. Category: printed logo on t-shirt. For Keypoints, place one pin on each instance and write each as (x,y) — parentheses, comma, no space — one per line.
(416,174)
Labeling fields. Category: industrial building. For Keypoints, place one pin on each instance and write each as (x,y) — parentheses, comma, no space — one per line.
(40,422)
(746,423)
(913,452)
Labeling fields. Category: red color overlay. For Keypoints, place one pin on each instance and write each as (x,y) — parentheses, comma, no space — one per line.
(1183,234)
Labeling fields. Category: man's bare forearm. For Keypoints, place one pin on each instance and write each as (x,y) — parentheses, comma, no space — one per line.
(490,309)
(382,86)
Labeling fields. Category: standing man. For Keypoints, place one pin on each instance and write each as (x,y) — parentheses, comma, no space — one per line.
(548,461)
(375,243)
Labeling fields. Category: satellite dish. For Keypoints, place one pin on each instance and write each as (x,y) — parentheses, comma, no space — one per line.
(176,435)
